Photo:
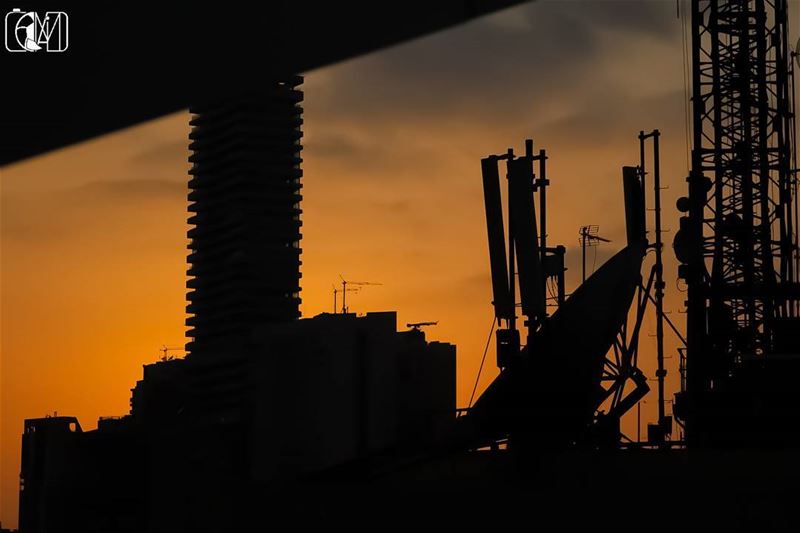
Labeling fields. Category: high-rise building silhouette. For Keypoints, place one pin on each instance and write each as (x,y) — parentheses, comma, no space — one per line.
(263,401)
(244,261)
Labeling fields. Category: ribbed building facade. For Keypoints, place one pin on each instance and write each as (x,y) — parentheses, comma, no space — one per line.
(244,204)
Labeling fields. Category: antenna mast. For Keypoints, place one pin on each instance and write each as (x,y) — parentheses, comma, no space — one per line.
(589,237)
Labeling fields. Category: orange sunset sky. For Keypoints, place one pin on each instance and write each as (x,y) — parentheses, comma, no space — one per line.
(94,236)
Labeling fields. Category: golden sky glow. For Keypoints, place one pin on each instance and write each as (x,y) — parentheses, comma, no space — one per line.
(94,236)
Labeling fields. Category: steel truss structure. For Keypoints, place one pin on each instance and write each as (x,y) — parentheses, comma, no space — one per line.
(739,241)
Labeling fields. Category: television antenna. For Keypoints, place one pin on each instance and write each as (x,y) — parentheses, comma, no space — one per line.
(336,291)
(345,290)
(589,237)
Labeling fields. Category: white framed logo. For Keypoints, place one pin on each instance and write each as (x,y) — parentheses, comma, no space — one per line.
(29,31)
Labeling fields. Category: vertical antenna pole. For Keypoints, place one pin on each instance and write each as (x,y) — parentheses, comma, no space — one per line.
(661,372)
(583,255)
(543,183)
(642,163)
(512,321)
(658,267)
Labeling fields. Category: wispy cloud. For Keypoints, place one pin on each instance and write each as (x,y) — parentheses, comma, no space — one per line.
(129,190)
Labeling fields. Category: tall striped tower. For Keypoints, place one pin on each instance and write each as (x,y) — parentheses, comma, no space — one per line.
(244,201)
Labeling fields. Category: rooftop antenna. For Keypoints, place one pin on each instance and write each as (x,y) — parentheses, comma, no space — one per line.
(589,237)
(345,283)
(664,426)
(417,326)
(336,291)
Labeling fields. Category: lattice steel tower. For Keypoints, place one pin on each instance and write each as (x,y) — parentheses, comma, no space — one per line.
(738,242)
